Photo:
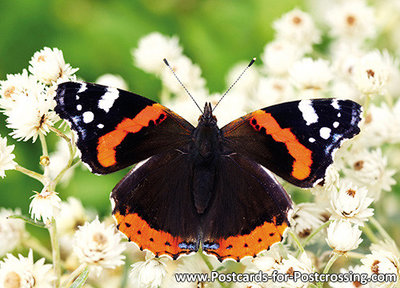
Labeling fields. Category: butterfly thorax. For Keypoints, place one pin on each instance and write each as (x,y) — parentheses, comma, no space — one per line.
(205,151)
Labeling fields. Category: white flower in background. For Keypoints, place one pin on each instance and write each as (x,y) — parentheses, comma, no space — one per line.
(351,21)
(371,74)
(30,116)
(345,56)
(298,28)
(152,49)
(342,236)
(188,73)
(268,260)
(351,203)
(23,272)
(248,81)
(324,188)
(279,56)
(343,89)
(392,64)
(356,269)
(99,246)
(48,66)
(72,215)
(6,157)
(381,126)
(273,90)
(148,274)
(11,231)
(112,80)
(58,161)
(233,106)
(306,218)
(369,169)
(290,265)
(311,74)
(45,205)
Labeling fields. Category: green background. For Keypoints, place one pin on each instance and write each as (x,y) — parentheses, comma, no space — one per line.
(97,36)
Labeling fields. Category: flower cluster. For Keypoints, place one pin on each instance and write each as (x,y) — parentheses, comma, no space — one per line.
(347,214)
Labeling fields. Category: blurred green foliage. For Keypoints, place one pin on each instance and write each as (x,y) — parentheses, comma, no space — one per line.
(97,36)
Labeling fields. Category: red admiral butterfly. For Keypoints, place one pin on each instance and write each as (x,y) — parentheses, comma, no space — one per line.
(204,186)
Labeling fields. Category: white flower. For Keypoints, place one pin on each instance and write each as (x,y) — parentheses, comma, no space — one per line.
(311,74)
(382,261)
(345,56)
(113,81)
(279,56)
(45,205)
(6,157)
(352,21)
(148,274)
(306,218)
(48,66)
(371,74)
(343,236)
(15,86)
(369,169)
(297,27)
(188,73)
(323,189)
(23,272)
(99,246)
(11,230)
(152,49)
(342,89)
(351,203)
(30,116)
(229,109)
(290,265)
(273,90)
(356,270)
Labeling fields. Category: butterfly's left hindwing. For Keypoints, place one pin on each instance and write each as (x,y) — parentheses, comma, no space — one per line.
(295,140)
(116,128)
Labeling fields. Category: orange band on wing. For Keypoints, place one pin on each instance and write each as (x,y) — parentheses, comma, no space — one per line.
(258,240)
(140,232)
(108,142)
(302,155)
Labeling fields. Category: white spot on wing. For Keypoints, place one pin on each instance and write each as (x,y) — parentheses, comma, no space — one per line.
(339,115)
(79,107)
(107,100)
(335,104)
(82,88)
(100,126)
(311,140)
(335,124)
(308,112)
(325,132)
(88,117)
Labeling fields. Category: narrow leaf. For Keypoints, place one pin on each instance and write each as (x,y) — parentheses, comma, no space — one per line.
(81,279)
(28,220)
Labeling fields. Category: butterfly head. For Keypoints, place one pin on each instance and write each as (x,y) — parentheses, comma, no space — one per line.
(207,118)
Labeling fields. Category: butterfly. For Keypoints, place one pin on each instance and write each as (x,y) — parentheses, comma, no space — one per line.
(204,187)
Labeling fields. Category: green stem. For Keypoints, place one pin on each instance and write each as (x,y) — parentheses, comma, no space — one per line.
(298,243)
(37,247)
(56,251)
(45,153)
(209,265)
(30,173)
(328,266)
(379,227)
(316,231)
(73,276)
(370,234)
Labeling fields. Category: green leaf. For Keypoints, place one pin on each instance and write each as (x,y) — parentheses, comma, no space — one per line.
(28,220)
(81,279)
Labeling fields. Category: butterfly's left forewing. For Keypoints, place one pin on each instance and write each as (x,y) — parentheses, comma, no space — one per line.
(295,140)
(116,128)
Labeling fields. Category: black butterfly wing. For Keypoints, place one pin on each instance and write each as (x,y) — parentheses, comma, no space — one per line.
(248,212)
(295,140)
(117,128)
(154,205)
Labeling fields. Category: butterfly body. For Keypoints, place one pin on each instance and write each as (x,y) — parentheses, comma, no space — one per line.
(204,186)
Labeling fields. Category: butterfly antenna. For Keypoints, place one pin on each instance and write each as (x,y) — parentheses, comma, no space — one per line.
(180,82)
(233,84)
